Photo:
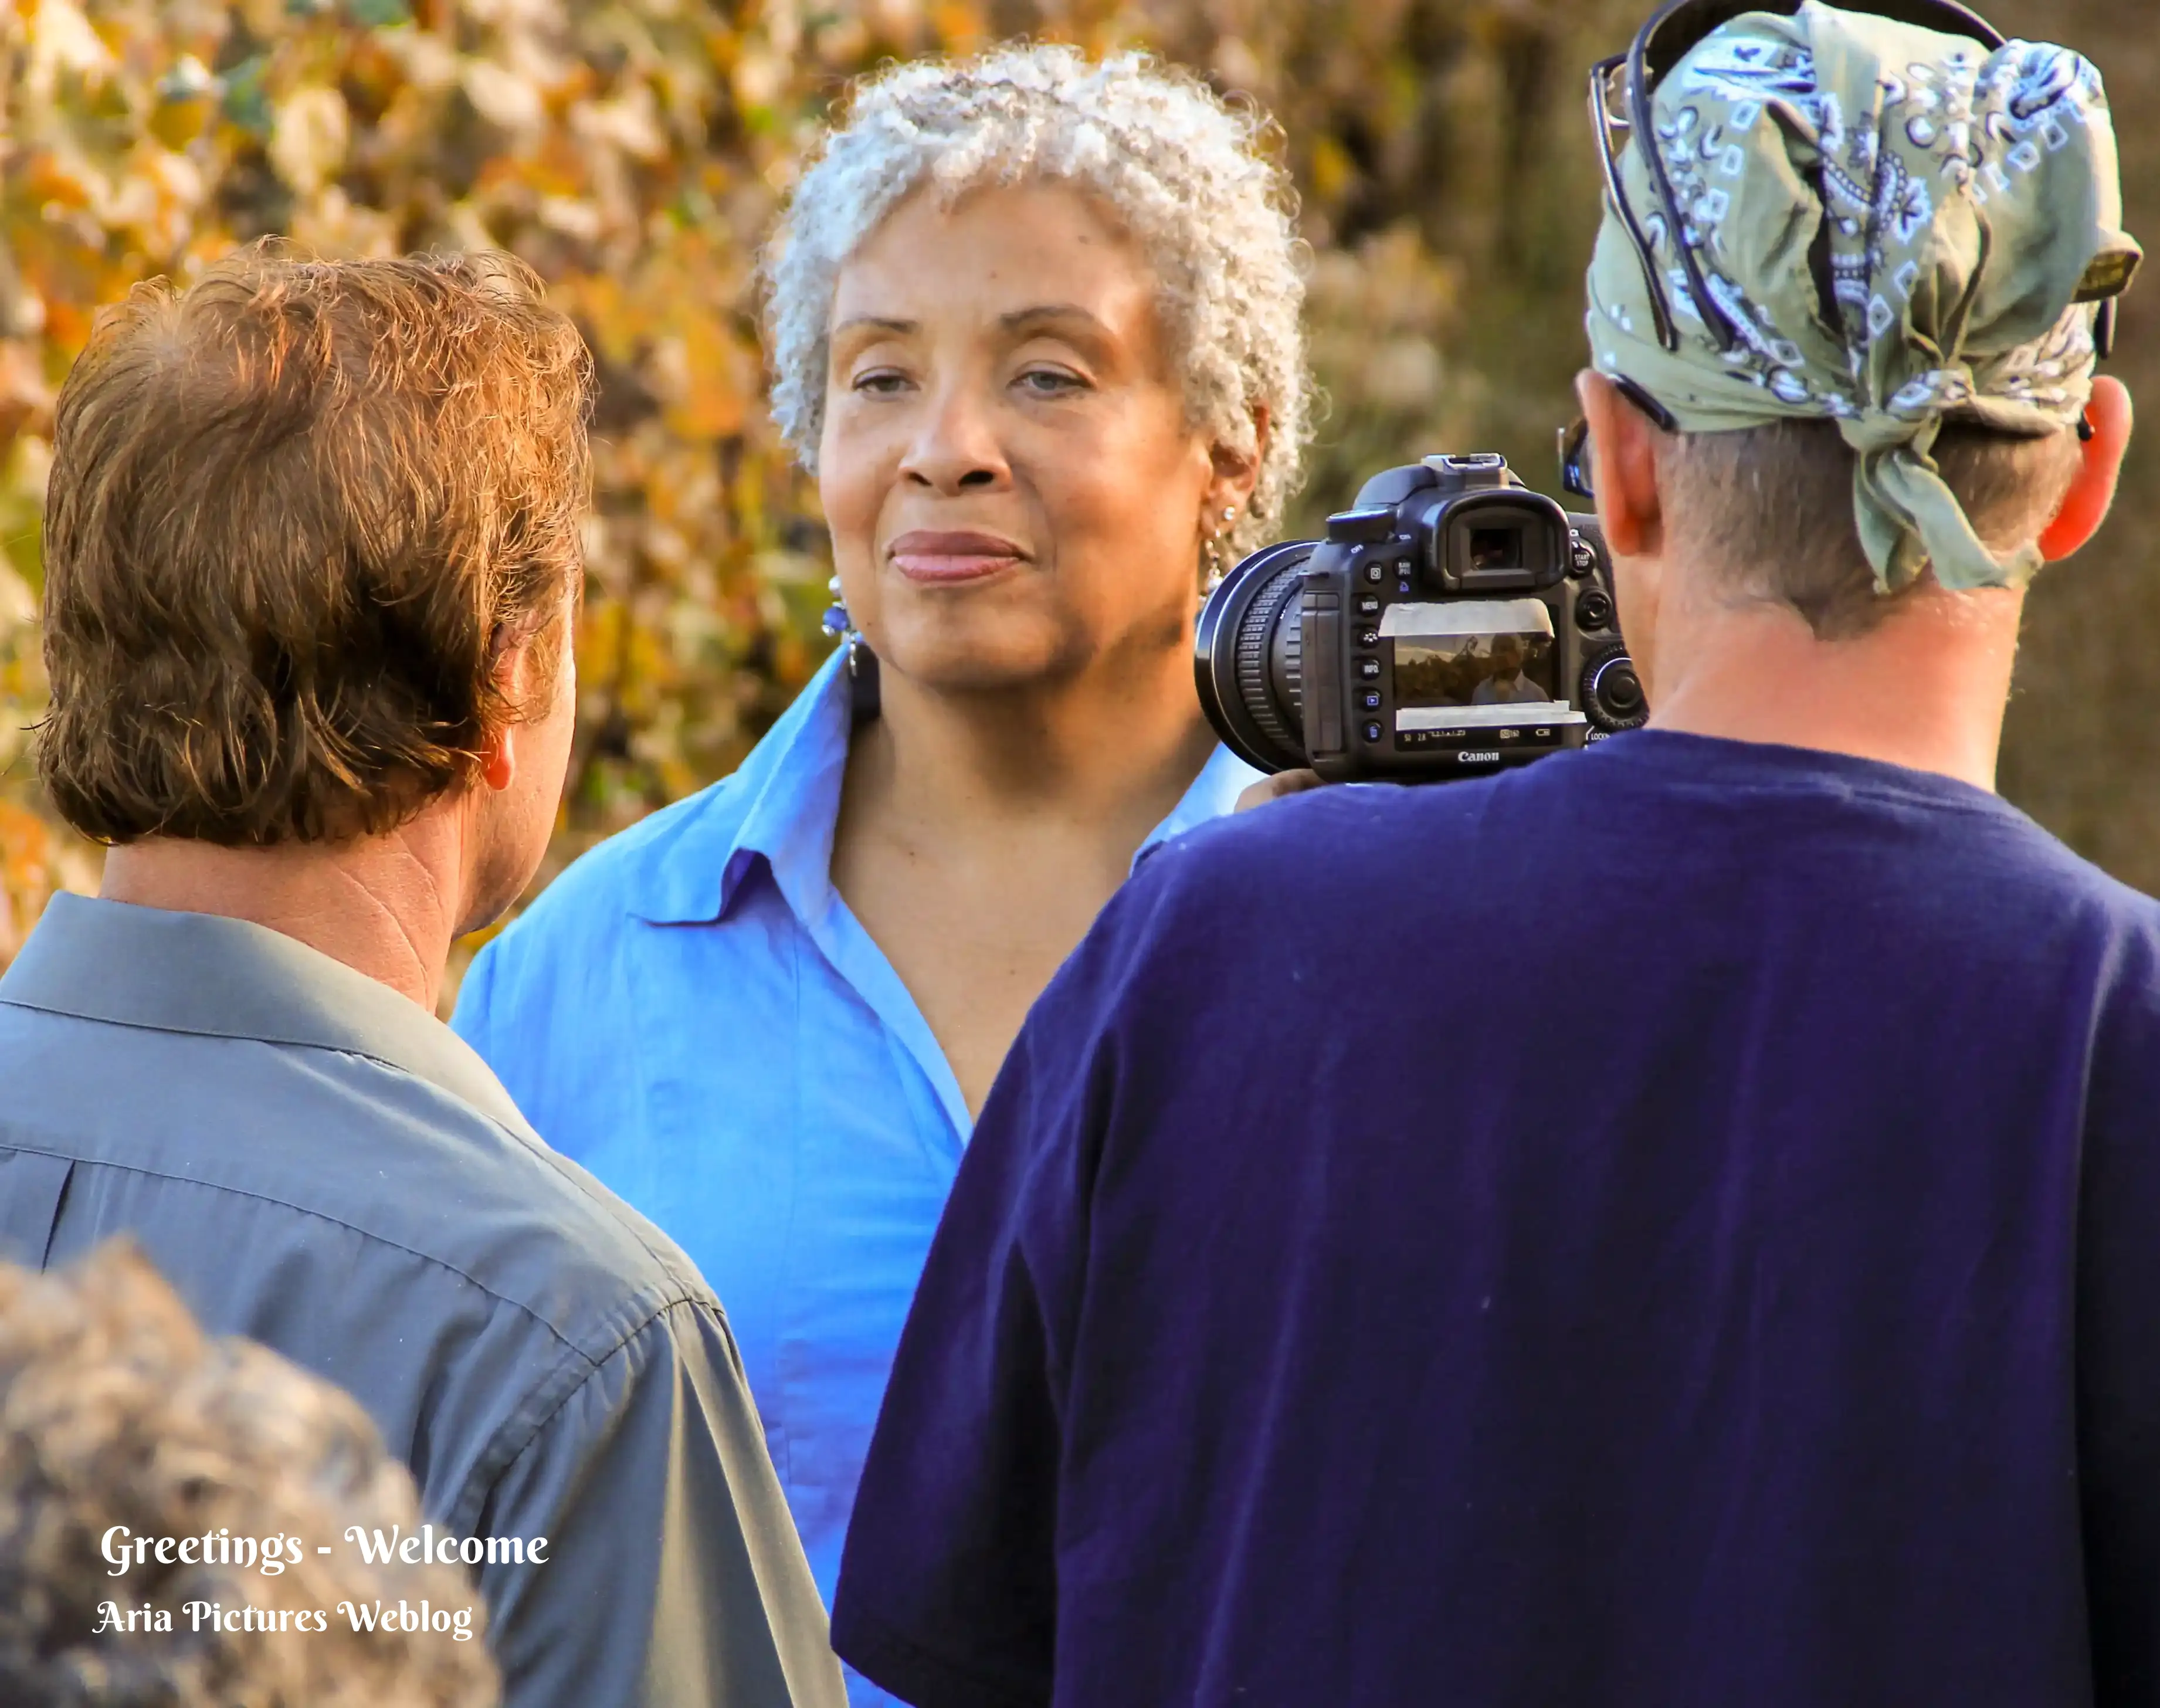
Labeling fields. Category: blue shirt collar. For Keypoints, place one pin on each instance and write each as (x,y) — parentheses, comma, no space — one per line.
(797,805)
(792,782)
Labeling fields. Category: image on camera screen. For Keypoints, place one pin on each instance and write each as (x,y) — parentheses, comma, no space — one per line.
(1475,662)
(1475,670)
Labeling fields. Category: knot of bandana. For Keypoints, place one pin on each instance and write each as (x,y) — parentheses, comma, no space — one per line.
(1902,227)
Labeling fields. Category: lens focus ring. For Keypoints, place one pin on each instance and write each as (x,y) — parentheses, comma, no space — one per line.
(1256,643)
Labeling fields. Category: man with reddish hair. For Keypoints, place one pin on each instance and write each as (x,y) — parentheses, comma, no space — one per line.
(311,556)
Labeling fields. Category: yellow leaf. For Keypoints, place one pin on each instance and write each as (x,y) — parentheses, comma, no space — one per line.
(308,144)
(500,97)
(711,403)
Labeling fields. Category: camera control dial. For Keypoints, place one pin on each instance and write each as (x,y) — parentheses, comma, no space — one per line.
(1612,692)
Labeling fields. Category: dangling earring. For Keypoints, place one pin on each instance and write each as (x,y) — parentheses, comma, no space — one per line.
(836,621)
(1218,564)
(1218,558)
(862,663)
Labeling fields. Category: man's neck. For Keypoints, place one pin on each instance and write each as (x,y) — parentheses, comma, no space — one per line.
(1925,689)
(385,905)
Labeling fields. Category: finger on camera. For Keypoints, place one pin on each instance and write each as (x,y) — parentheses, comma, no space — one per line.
(1274,788)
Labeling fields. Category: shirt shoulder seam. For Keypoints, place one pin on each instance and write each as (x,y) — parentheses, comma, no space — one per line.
(542,1153)
(234,1037)
(668,1300)
(502,1455)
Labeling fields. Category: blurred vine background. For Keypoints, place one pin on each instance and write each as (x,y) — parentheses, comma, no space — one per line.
(635,152)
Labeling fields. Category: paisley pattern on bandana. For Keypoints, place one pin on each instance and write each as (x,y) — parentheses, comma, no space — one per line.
(1896,223)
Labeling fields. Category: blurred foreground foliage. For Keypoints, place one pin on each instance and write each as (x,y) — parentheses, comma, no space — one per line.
(635,151)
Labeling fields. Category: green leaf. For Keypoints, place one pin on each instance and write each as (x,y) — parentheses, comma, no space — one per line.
(247,96)
(378,14)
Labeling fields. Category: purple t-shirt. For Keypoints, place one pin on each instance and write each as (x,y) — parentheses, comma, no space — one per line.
(1677,1226)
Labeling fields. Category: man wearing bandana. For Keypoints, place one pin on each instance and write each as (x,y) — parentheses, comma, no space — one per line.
(1760,1305)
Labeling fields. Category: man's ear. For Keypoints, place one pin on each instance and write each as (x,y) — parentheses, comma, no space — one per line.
(498,759)
(2092,491)
(513,669)
(1624,455)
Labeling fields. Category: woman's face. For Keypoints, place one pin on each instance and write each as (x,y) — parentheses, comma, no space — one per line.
(1013,490)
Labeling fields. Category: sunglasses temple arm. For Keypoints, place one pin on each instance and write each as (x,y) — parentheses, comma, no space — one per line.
(1616,197)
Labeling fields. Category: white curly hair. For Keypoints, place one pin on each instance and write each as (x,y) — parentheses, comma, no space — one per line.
(1184,171)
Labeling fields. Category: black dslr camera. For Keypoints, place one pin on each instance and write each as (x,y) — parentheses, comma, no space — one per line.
(1455,623)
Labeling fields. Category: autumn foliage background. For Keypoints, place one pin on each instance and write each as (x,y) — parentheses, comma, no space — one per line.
(635,151)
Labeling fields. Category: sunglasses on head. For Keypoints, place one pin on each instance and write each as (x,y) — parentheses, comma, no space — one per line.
(1621,89)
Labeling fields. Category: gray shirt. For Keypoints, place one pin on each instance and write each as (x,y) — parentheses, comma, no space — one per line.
(316,1163)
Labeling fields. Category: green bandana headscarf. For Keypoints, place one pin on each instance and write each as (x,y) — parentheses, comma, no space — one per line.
(1900,225)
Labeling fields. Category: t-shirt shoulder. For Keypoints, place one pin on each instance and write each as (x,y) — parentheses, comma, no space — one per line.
(1301,848)
(1222,882)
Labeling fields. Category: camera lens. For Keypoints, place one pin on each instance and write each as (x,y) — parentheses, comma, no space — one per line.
(1248,657)
(1612,692)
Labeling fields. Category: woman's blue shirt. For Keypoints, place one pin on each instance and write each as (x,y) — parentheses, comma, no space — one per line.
(693,1013)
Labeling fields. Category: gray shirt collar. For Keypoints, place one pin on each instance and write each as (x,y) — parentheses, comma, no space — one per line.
(222,978)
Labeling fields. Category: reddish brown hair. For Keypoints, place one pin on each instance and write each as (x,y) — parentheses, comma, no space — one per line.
(296,513)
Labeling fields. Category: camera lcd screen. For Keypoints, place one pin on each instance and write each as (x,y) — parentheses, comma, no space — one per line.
(1495,548)
(1475,662)
(1510,669)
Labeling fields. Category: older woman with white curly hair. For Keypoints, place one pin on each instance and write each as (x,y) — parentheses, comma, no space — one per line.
(1035,325)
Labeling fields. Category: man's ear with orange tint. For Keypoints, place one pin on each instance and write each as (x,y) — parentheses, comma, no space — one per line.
(2092,493)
